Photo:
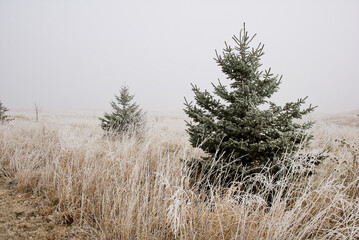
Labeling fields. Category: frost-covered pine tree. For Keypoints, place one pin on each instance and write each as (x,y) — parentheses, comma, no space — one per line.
(126,115)
(239,123)
(3,117)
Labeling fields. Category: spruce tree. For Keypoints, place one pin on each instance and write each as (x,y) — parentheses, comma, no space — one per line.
(3,117)
(126,115)
(239,124)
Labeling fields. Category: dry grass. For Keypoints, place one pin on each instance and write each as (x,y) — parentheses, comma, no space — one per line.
(139,189)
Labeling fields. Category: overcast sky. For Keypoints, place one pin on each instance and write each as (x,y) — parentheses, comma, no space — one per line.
(74,54)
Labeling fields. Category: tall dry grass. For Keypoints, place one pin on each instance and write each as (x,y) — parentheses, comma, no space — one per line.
(139,188)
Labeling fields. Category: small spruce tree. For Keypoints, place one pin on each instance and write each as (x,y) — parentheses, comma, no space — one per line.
(126,116)
(240,124)
(3,117)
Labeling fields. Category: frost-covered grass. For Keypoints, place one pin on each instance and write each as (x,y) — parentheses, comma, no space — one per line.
(140,189)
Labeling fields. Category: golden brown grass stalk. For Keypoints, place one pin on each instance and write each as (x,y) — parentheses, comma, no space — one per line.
(139,188)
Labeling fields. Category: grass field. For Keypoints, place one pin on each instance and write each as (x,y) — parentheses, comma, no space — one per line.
(140,189)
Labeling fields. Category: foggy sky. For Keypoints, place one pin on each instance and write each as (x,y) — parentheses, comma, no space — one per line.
(76,54)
